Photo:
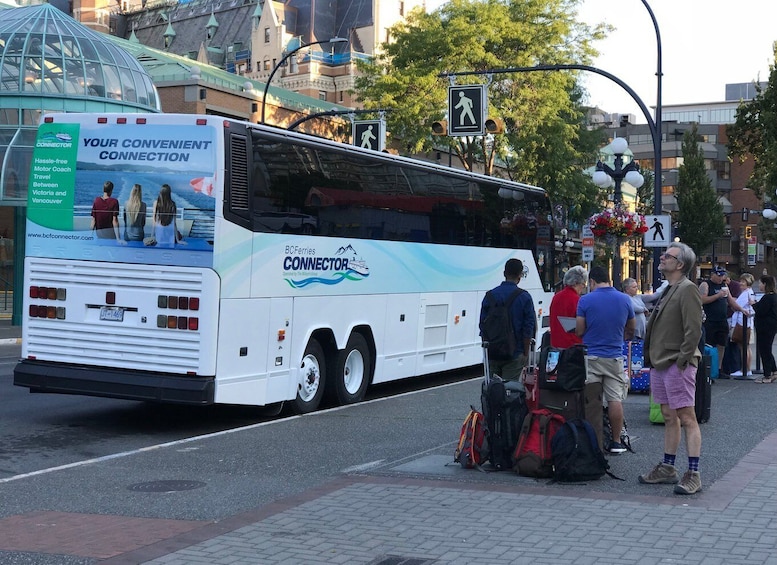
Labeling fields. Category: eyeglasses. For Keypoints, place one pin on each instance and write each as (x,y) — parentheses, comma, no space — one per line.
(667,256)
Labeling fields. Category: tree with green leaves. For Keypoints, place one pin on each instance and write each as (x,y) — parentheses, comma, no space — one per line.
(545,140)
(700,212)
(754,134)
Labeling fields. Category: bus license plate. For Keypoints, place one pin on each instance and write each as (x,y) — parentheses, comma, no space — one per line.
(112,314)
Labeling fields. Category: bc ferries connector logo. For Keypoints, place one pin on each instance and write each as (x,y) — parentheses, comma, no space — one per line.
(52,139)
(303,266)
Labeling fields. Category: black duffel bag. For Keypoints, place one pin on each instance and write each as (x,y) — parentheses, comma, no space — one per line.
(562,369)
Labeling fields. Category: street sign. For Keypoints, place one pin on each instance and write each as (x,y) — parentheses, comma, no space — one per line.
(588,243)
(370,134)
(752,246)
(659,232)
(467,106)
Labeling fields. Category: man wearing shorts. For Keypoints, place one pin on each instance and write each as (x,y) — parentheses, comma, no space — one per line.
(605,317)
(716,299)
(671,350)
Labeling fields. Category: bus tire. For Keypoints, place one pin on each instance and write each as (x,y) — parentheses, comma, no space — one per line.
(310,390)
(353,370)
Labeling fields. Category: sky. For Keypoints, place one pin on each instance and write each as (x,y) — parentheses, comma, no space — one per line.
(705,45)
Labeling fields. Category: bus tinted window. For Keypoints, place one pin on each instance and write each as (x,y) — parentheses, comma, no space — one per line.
(340,193)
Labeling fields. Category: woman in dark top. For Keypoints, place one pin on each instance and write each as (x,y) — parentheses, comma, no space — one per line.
(766,328)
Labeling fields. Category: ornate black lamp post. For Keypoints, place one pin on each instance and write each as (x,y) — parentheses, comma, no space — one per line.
(606,176)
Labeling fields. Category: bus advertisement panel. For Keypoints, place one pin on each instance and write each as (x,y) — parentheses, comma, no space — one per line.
(73,162)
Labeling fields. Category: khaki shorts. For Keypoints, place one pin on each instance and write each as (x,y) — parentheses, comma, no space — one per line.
(610,373)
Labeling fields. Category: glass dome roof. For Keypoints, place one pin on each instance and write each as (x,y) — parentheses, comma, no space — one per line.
(44,53)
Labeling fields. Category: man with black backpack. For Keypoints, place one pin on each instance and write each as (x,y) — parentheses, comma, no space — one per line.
(508,323)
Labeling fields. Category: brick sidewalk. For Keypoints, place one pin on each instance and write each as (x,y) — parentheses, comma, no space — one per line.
(383,520)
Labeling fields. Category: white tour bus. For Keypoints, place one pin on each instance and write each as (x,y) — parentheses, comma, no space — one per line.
(295,267)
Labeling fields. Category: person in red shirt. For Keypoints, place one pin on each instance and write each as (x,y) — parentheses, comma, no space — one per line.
(105,214)
(564,304)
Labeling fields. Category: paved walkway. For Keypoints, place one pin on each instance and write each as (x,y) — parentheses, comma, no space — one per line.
(362,519)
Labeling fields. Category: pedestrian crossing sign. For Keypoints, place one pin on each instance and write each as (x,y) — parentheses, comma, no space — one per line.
(370,134)
(659,232)
(467,105)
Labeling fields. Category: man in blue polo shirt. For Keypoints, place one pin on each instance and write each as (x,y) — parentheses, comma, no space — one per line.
(605,317)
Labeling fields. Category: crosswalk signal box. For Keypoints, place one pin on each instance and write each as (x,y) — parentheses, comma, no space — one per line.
(370,134)
(467,105)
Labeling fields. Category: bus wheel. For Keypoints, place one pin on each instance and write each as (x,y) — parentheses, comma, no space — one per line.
(352,373)
(310,389)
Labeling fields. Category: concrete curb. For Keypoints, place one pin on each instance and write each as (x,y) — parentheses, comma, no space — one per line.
(11,341)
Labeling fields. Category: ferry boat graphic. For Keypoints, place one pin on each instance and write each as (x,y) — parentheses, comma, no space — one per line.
(358,266)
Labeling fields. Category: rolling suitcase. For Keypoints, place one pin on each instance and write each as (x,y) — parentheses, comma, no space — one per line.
(504,409)
(703,389)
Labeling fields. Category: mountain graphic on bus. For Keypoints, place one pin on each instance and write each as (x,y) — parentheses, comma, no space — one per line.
(344,265)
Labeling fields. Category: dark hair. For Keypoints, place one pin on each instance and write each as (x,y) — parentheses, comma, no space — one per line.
(769,283)
(513,268)
(599,274)
(108,187)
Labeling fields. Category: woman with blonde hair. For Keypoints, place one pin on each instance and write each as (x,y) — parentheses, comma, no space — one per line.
(165,231)
(135,215)
(745,300)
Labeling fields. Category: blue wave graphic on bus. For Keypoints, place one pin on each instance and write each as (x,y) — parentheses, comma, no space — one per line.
(339,277)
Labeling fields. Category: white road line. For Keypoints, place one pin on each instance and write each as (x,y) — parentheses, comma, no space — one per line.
(208,436)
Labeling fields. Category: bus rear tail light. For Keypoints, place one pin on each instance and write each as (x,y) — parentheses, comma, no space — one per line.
(281,335)
(121,120)
(140,121)
(47,293)
(178,303)
(110,297)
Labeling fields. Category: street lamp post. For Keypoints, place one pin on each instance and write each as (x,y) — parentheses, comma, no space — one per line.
(286,57)
(606,176)
(563,246)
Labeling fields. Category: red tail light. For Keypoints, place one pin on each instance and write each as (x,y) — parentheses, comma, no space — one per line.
(194,303)
(194,324)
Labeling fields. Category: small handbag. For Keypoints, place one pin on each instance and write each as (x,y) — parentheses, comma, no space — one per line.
(738,335)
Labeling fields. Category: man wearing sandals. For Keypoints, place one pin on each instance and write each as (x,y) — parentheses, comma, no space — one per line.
(671,350)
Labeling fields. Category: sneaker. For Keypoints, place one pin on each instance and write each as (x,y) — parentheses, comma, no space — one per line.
(690,483)
(617,448)
(736,374)
(661,473)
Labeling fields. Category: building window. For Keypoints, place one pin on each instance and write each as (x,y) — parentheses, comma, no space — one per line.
(267,64)
(322,95)
(267,35)
(402,9)
(341,96)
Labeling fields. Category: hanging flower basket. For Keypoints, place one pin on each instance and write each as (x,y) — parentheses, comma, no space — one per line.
(617,223)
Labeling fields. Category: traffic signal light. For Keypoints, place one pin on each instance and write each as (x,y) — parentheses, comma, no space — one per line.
(748,232)
(494,125)
(440,127)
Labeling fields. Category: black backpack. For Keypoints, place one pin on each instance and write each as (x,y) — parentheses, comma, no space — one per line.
(496,329)
(576,453)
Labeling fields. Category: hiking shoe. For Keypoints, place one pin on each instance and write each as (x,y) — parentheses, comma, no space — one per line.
(617,448)
(689,484)
(661,474)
